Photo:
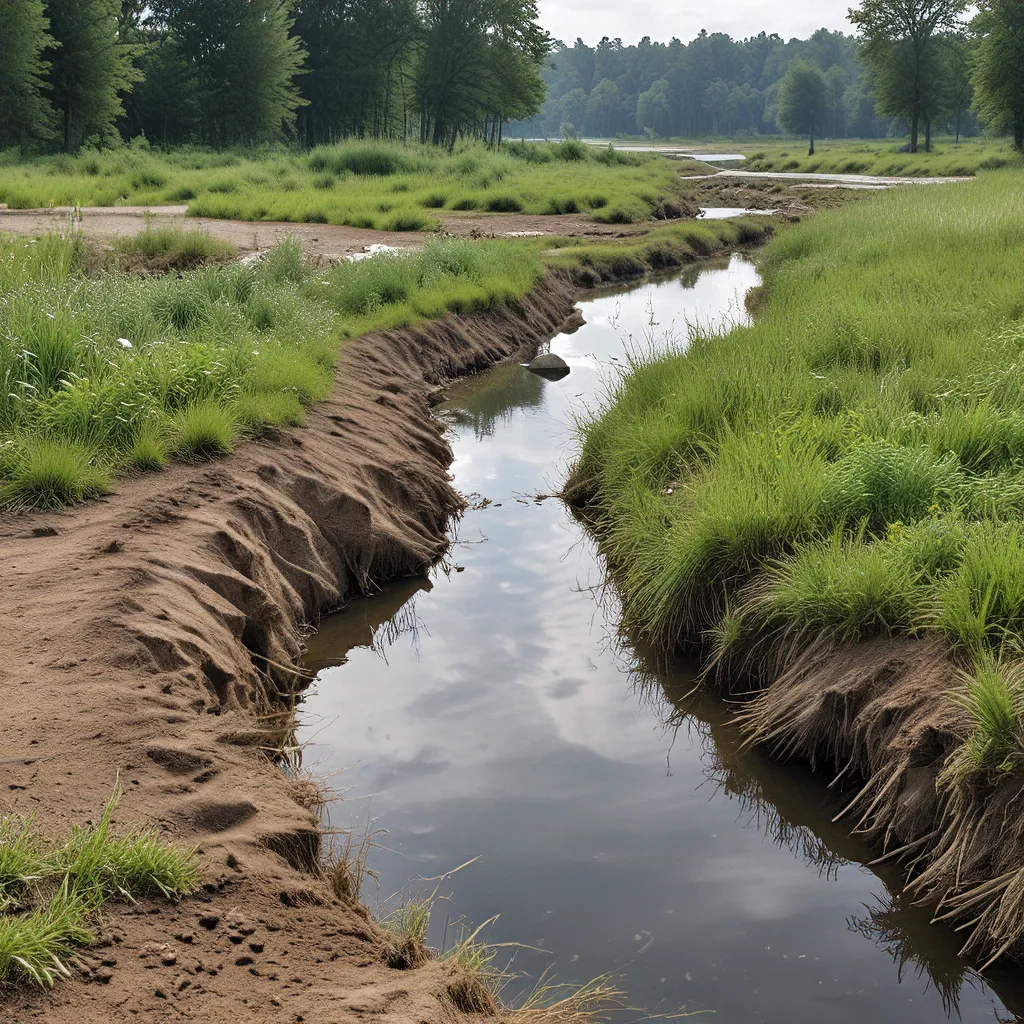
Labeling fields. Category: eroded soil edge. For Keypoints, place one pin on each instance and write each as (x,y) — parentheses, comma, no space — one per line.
(149,637)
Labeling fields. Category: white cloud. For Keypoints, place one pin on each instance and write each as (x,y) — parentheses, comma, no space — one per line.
(661,20)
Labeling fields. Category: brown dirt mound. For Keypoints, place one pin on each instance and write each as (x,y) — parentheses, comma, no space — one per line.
(149,637)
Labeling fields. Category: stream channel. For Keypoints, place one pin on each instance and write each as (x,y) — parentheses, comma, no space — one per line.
(492,711)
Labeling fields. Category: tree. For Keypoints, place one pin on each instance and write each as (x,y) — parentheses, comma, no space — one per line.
(459,70)
(243,61)
(997,70)
(803,101)
(902,55)
(652,110)
(26,118)
(91,66)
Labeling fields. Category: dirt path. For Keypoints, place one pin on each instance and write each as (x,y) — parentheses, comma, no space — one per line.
(147,637)
(328,240)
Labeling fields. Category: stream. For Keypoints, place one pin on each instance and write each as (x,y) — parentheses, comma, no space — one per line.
(492,711)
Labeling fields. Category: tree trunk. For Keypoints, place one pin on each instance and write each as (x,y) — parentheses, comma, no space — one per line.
(927,134)
(810,152)
(914,127)
(1018,130)
(67,125)
(957,143)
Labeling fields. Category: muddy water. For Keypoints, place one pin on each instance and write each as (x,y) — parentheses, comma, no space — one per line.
(490,711)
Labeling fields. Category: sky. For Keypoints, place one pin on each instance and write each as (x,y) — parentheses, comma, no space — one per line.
(663,19)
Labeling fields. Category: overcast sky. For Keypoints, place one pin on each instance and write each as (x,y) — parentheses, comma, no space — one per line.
(663,19)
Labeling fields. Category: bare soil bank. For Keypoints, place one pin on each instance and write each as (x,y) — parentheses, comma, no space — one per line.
(149,636)
(328,240)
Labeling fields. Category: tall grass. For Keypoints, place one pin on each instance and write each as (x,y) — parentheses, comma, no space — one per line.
(852,461)
(52,890)
(385,185)
(115,373)
(883,157)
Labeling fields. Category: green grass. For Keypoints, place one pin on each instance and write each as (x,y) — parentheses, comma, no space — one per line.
(52,890)
(662,248)
(852,463)
(163,249)
(882,157)
(112,373)
(381,185)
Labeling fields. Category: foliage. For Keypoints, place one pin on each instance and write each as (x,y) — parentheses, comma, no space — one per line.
(51,890)
(362,183)
(849,463)
(997,71)
(90,67)
(26,119)
(238,67)
(902,54)
(947,158)
(802,101)
(118,373)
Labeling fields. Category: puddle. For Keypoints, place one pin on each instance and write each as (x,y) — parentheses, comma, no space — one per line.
(724,212)
(491,711)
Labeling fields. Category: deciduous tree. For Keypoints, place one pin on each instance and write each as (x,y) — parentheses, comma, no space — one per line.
(902,54)
(803,101)
(997,70)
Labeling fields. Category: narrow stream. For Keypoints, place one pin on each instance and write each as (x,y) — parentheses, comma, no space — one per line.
(491,712)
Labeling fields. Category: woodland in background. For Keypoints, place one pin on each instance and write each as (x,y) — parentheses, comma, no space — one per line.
(225,73)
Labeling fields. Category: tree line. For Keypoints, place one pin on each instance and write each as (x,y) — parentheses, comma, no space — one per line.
(245,72)
(913,65)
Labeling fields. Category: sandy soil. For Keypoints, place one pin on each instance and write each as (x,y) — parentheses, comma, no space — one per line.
(328,240)
(147,638)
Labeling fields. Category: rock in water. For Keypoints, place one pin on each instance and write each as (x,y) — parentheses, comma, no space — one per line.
(550,366)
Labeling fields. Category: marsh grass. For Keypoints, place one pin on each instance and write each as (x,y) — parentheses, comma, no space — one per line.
(850,463)
(51,889)
(373,184)
(158,250)
(882,157)
(111,373)
(991,693)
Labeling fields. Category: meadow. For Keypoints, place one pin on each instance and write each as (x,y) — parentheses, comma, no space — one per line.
(850,465)
(881,157)
(389,186)
(106,373)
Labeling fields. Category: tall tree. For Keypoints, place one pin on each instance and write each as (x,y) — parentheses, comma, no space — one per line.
(803,101)
(244,60)
(998,66)
(456,70)
(902,54)
(91,67)
(359,56)
(26,117)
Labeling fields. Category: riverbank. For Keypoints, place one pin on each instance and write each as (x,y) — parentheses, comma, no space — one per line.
(824,504)
(157,631)
(170,659)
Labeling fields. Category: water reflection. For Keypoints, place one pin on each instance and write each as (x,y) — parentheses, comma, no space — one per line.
(489,712)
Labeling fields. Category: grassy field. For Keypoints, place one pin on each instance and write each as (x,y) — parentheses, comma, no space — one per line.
(109,373)
(852,464)
(873,156)
(363,184)
(52,890)
(662,248)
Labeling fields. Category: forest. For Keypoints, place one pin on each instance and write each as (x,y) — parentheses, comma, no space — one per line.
(223,73)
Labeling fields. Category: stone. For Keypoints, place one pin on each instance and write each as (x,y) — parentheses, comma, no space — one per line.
(550,366)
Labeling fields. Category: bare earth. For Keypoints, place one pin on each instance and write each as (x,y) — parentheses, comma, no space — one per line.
(147,638)
(328,240)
